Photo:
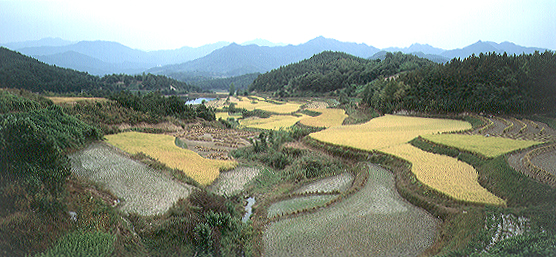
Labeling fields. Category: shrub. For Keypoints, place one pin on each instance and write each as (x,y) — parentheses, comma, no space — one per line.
(82,244)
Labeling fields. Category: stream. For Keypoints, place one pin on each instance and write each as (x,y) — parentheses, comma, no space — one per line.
(248,209)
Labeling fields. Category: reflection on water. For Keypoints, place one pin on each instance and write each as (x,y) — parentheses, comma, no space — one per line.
(199,100)
(248,209)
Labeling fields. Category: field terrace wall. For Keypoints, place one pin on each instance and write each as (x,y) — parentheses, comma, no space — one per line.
(359,182)
(408,186)
(541,174)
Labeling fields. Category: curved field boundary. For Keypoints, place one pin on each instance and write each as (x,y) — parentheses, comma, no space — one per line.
(375,221)
(163,148)
(489,147)
(541,174)
(329,118)
(358,183)
(142,189)
(489,125)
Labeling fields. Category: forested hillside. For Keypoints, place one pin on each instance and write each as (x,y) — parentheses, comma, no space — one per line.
(20,71)
(489,83)
(330,71)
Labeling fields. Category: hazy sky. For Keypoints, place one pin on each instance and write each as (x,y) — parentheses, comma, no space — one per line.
(162,24)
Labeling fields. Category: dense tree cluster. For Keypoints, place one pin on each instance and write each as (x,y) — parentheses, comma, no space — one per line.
(148,82)
(19,71)
(331,71)
(489,83)
(157,105)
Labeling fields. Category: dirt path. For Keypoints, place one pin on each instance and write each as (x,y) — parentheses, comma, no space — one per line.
(375,221)
(141,189)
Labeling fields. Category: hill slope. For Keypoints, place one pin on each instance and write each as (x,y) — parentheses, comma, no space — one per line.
(330,71)
(22,72)
(235,59)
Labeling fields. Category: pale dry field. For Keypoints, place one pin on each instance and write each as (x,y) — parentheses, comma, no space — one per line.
(375,221)
(142,190)
(233,182)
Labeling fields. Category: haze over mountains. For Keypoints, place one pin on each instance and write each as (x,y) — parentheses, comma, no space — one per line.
(224,59)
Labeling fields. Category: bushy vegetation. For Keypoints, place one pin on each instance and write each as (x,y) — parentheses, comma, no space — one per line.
(293,164)
(84,244)
(489,83)
(204,224)
(148,82)
(330,71)
(155,104)
(34,171)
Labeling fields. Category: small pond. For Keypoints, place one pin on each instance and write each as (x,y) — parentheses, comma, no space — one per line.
(199,100)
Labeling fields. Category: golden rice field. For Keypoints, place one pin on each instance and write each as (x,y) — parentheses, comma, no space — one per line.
(225,115)
(387,131)
(162,148)
(487,146)
(445,174)
(63,99)
(328,118)
(283,108)
(391,134)
(273,122)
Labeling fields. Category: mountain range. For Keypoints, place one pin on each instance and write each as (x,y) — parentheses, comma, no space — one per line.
(224,59)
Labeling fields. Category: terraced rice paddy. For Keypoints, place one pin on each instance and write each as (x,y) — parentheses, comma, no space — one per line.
(275,107)
(375,221)
(486,146)
(233,182)
(298,204)
(273,122)
(339,183)
(62,99)
(162,148)
(328,118)
(386,131)
(225,115)
(445,174)
(390,134)
(141,189)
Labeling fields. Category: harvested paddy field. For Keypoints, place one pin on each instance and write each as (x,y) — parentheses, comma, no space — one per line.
(338,183)
(141,189)
(233,182)
(375,221)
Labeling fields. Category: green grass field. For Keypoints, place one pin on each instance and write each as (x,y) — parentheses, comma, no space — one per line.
(487,146)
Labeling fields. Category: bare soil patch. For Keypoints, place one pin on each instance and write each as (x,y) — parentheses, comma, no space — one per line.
(140,188)
(213,143)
